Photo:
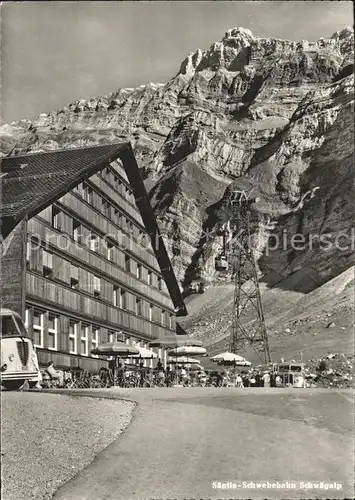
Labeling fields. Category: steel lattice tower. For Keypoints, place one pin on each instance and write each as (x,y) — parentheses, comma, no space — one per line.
(246,329)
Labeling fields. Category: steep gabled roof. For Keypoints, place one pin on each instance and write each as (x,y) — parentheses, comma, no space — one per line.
(150,222)
(29,183)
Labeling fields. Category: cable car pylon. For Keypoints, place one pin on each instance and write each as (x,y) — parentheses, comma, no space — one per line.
(248,321)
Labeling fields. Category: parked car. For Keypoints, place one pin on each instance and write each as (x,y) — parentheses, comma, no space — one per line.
(16,352)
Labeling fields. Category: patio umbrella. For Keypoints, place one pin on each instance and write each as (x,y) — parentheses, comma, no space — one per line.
(183,360)
(187,350)
(116,349)
(230,357)
(144,353)
(175,341)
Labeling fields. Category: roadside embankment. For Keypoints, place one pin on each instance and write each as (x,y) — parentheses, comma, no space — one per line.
(47,439)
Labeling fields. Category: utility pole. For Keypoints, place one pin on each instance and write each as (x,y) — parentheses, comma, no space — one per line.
(248,322)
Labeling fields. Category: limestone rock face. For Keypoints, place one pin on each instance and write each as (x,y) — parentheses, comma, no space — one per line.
(273,115)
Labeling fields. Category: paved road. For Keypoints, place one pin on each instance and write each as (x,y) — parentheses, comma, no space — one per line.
(182,440)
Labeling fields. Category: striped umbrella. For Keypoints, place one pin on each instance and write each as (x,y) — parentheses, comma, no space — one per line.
(187,350)
(230,357)
(116,349)
(175,341)
(144,353)
(183,360)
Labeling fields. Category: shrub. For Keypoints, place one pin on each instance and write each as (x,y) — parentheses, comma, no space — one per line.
(322,366)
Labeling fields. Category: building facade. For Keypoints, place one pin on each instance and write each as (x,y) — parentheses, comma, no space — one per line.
(92,275)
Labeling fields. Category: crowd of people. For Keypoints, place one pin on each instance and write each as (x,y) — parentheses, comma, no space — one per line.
(197,377)
(141,376)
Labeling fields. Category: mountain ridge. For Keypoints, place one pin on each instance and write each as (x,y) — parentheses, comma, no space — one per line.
(273,114)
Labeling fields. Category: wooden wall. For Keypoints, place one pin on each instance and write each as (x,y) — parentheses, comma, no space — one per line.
(63,298)
(13,269)
(93,262)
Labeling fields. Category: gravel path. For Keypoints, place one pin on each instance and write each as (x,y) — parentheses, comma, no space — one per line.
(47,439)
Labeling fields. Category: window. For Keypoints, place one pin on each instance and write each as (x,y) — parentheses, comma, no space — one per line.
(118,184)
(77,232)
(52,332)
(115,215)
(123,299)
(110,251)
(97,287)
(94,243)
(120,336)
(106,208)
(150,277)
(160,283)
(88,194)
(27,317)
(74,277)
(28,254)
(38,328)
(162,317)
(139,271)
(130,228)
(79,189)
(171,318)
(127,263)
(128,193)
(116,296)
(56,218)
(138,307)
(144,240)
(95,339)
(111,338)
(151,307)
(47,264)
(84,340)
(73,330)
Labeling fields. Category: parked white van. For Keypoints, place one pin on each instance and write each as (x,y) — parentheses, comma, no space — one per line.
(17,353)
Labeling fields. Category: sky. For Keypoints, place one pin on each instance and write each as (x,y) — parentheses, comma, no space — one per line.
(57,52)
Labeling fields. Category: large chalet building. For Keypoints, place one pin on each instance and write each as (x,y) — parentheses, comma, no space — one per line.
(84,260)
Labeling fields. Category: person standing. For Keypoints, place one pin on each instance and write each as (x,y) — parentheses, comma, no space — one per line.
(183,376)
(246,381)
(266,379)
(168,377)
(239,381)
(39,377)
(225,378)
(142,374)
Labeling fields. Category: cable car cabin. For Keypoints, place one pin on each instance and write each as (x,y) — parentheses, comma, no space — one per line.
(221,263)
(194,287)
(17,352)
(292,374)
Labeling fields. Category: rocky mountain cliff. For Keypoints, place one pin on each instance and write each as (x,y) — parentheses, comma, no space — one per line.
(268,114)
